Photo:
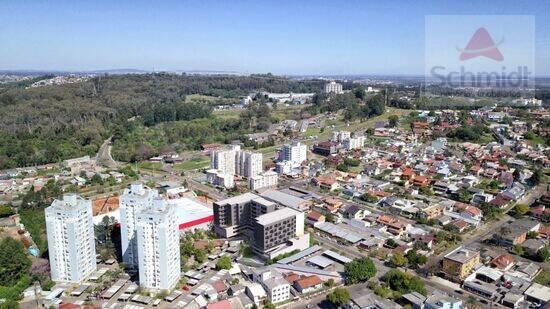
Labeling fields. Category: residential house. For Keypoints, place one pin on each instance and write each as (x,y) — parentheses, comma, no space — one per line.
(393,225)
(355,212)
(503,262)
(327,182)
(516,232)
(459,225)
(458,264)
(314,217)
(278,289)
(308,284)
(431,211)
(256,293)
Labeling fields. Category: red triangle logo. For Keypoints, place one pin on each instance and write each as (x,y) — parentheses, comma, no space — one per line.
(481,44)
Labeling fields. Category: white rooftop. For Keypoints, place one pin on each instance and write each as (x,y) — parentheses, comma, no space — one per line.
(276,215)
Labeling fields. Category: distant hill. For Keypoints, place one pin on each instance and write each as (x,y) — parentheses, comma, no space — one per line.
(51,123)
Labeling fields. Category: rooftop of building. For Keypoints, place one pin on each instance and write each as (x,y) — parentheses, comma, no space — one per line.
(283,198)
(277,215)
(243,198)
(462,255)
(70,202)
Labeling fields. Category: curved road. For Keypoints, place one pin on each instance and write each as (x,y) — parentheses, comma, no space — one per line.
(104,154)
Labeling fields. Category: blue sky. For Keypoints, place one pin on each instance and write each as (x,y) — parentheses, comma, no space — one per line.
(282,37)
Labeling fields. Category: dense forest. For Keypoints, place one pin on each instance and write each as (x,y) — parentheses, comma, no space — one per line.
(49,124)
(356,104)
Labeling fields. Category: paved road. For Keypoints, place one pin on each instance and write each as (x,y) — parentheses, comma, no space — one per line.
(211,192)
(432,284)
(104,154)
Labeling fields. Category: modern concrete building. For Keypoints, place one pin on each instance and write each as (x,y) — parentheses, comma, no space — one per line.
(340,136)
(272,229)
(333,87)
(268,179)
(248,164)
(458,264)
(352,143)
(134,199)
(158,246)
(296,153)
(219,178)
(275,228)
(278,289)
(71,241)
(224,160)
(224,164)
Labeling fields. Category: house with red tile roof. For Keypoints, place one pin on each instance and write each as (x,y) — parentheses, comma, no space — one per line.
(308,284)
(393,225)
(459,225)
(222,304)
(314,217)
(326,182)
(503,262)
(421,181)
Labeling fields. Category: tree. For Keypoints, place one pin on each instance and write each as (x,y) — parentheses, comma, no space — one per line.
(367,197)
(359,92)
(518,249)
(14,262)
(5,211)
(96,179)
(393,120)
(404,282)
(543,254)
(200,255)
(398,259)
(340,296)
(269,305)
(342,167)
(426,191)
(537,177)
(359,270)
(391,243)
(223,262)
(329,283)
(521,209)
(415,259)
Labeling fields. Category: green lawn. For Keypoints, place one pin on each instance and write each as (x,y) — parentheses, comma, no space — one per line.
(543,278)
(228,114)
(200,98)
(193,164)
(149,165)
(357,125)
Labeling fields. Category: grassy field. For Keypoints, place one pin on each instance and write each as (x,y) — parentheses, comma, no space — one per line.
(193,164)
(201,98)
(282,112)
(149,165)
(355,126)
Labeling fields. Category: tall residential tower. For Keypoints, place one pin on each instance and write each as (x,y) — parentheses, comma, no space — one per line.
(134,199)
(158,246)
(71,242)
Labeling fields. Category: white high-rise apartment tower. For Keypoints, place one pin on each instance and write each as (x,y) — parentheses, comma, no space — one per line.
(224,161)
(333,87)
(248,163)
(158,246)
(133,200)
(71,241)
(296,153)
